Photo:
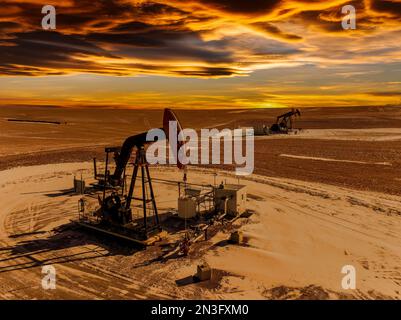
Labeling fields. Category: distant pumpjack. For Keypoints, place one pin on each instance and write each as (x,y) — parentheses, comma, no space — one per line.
(285,121)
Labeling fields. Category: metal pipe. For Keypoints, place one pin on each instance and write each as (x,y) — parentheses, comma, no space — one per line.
(143,197)
(94,167)
(105,177)
(152,196)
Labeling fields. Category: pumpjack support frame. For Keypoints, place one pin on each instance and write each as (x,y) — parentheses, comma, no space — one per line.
(141,163)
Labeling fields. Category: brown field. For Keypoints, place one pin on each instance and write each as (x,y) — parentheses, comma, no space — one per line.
(370,135)
(326,197)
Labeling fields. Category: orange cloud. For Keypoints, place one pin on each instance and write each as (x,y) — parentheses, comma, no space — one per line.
(169,37)
(203,39)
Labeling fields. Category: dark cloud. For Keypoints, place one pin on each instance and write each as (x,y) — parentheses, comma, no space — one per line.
(207,72)
(8,25)
(32,52)
(131,27)
(153,9)
(271,29)
(386,93)
(257,7)
(386,6)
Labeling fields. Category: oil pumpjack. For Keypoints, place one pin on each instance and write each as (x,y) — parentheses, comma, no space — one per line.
(115,213)
(284,122)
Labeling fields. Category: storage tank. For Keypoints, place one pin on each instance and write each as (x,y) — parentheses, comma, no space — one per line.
(186,207)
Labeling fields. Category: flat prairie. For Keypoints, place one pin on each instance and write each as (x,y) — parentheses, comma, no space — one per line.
(363,143)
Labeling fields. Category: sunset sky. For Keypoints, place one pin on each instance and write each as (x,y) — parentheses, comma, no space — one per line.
(200,54)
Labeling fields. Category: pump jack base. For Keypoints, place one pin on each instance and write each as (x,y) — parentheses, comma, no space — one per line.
(149,239)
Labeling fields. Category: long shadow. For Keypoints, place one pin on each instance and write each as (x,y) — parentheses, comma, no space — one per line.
(20,235)
(185,281)
(61,193)
(64,192)
(222,243)
(53,193)
(22,255)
